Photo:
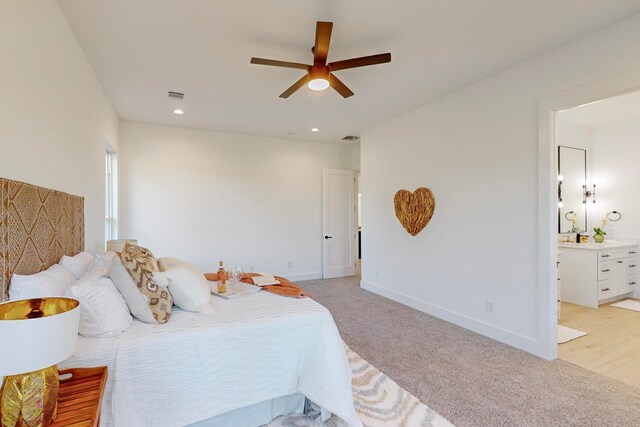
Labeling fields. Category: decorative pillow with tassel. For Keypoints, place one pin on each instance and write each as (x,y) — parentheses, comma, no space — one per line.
(147,300)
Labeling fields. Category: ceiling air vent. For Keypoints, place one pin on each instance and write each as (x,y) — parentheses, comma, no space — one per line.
(351,138)
(176,95)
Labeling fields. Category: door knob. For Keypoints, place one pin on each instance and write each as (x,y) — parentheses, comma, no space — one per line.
(328,237)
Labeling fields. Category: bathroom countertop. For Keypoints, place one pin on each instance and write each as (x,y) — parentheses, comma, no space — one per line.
(596,246)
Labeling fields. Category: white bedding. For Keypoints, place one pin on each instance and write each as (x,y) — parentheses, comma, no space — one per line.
(195,367)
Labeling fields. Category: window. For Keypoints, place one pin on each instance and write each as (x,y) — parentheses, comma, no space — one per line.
(110,194)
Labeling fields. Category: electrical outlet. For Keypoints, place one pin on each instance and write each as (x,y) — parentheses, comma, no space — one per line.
(290,265)
(488,305)
(377,274)
(252,268)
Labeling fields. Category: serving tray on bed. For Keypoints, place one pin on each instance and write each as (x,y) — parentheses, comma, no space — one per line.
(234,291)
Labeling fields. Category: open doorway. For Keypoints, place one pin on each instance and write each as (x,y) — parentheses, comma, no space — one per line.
(597,148)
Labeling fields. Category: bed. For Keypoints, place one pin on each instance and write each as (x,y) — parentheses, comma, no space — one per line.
(255,358)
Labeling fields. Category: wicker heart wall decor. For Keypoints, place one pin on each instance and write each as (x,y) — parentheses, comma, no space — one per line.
(414,210)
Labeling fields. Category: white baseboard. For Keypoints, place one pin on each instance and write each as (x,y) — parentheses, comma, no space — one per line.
(303,276)
(480,327)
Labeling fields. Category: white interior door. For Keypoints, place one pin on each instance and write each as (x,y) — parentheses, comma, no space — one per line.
(338,223)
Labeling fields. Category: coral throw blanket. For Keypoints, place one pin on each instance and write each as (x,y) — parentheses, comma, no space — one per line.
(285,288)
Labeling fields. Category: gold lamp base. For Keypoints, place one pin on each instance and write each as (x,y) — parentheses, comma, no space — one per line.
(31,399)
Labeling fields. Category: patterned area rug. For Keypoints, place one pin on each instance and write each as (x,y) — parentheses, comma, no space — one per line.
(378,400)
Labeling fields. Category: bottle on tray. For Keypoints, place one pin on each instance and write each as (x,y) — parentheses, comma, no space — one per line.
(222,279)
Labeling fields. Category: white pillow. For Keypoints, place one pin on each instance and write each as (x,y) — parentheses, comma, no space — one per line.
(188,287)
(101,264)
(77,264)
(137,302)
(103,311)
(52,282)
(167,263)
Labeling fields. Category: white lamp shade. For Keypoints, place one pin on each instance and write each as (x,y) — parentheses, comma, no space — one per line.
(118,245)
(32,344)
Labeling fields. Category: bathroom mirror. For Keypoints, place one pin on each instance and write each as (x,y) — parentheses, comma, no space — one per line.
(572,167)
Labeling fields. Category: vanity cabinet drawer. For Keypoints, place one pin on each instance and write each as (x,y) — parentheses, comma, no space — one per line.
(605,269)
(605,289)
(623,253)
(632,283)
(632,265)
(617,254)
(605,255)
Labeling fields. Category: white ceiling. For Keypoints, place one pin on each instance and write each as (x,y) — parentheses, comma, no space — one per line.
(606,111)
(140,49)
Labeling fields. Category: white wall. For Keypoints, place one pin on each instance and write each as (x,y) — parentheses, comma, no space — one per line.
(616,165)
(575,135)
(206,196)
(355,156)
(54,116)
(477,149)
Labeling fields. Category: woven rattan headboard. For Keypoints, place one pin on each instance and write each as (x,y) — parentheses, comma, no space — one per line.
(37,227)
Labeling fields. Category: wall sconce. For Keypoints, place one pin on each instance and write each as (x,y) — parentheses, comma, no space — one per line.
(560,204)
(587,193)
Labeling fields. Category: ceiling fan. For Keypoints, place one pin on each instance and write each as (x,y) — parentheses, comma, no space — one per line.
(320,75)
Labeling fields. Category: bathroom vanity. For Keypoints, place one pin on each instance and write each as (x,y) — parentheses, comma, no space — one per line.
(593,274)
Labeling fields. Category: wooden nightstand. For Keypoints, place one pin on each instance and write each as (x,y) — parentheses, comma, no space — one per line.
(80,397)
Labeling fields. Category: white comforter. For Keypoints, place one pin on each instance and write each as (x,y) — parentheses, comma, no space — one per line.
(194,367)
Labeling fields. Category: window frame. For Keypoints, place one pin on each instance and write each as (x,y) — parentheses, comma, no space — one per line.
(110,201)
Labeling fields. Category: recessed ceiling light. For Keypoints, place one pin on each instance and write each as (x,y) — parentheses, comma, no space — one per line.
(314,129)
(178,111)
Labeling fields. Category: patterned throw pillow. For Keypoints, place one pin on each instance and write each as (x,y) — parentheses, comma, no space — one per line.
(140,264)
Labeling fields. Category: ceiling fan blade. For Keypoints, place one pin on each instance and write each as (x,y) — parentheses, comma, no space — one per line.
(274,63)
(360,62)
(323,37)
(340,87)
(294,87)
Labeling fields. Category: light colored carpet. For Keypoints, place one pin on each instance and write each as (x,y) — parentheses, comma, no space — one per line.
(469,379)
(378,401)
(628,304)
(566,334)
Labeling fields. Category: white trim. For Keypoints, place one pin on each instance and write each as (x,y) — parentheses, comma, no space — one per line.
(475,325)
(111,193)
(620,84)
(303,276)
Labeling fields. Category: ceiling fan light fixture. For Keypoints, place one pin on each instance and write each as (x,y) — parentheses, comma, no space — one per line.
(318,84)
(320,75)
